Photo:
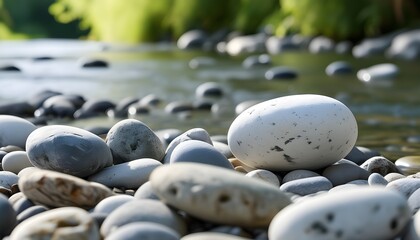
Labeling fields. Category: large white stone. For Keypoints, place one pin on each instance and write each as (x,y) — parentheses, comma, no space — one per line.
(294,132)
(373,213)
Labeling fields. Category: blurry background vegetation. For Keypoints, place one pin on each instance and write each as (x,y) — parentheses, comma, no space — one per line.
(133,21)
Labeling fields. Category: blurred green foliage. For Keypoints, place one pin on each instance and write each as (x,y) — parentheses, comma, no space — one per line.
(133,21)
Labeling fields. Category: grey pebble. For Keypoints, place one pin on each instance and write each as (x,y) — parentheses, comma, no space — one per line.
(144,230)
(307,186)
(377,179)
(209,89)
(109,204)
(393,176)
(131,139)
(145,191)
(7,217)
(7,179)
(379,165)
(360,154)
(405,186)
(30,212)
(298,174)
(344,172)
(22,204)
(414,201)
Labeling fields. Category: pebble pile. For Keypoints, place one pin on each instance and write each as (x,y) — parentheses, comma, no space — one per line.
(287,169)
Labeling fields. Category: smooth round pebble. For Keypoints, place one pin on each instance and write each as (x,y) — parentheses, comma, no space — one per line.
(109,204)
(359,154)
(405,186)
(7,217)
(30,212)
(408,164)
(413,230)
(131,139)
(199,152)
(60,223)
(377,179)
(178,107)
(129,175)
(242,106)
(144,230)
(393,176)
(342,173)
(14,131)
(226,197)
(22,204)
(264,175)
(67,149)
(280,73)
(293,132)
(145,191)
(223,148)
(61,190)
(16,161)
(192,134)
(8,179)
(306,186)
(298,174)
(414,201)
(350,214)
(144,210)
(211,236)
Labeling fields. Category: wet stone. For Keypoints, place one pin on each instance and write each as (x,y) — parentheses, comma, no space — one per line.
(408,164)
(16,129)
(384,71)
(111,203)
(178,107)
(321,44)
(60,190)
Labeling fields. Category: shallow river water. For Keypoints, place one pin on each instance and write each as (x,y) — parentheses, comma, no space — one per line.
(388,113)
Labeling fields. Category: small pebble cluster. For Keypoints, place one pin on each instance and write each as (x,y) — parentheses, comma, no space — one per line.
(288,168)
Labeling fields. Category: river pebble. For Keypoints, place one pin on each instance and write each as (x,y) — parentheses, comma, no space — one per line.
(350,214)
(14,131)
(209,89)
(15,161)
(145,191)
(144,230)
(60,223)
(7,217)
(298,174)
(109,204)
(342,173)
(280,73)
(338,68)
(293,132)
(67,149)
(384,71)
(225,196)
(377,179)
(264,175)
(8,179)
(60,190)
(408,164)
(306,186)
(212,236)
(131,139)
(379,165)
(144,210)
(405,186)
(30,212)
(360,154)
(129,175)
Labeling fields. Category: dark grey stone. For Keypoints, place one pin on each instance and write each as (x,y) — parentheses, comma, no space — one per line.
(344,172)
(280,73)
(192,39)
(178,106)
(93,108)
(7,217)
(94,63)
(22,109)
(38,99)
(338,68)
(209,89)
(360,154)
(22,204)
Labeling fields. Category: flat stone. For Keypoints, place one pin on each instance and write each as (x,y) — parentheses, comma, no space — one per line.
(298,174)
(293,132)
(129,175)
(131,139)
(14,131)
(350,214)
(408,164)
(344,172)
(8,179)
(67,149)
(30,212)
(226,197)
(143,210)
(306,186)
(7,217)
(16,161)
(60,190)
(109,204)
(144,230)
(405,186)
(192,39)
(280,73)
(60,223)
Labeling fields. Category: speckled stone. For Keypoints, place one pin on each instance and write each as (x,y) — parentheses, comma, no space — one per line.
(16,161)
(226,197)
(304,131)
(131,139)
(14,130)
(350,214)
(130,174)
(143,210)
(306,186)
(211,236)
(298,174)
(264,175)
(379,165)
(192,134)
(344,172)
(144,230)
(7,217)
(60,190)
(199,152)
(60,223)
(67,149)
(408,164)
(109,204)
